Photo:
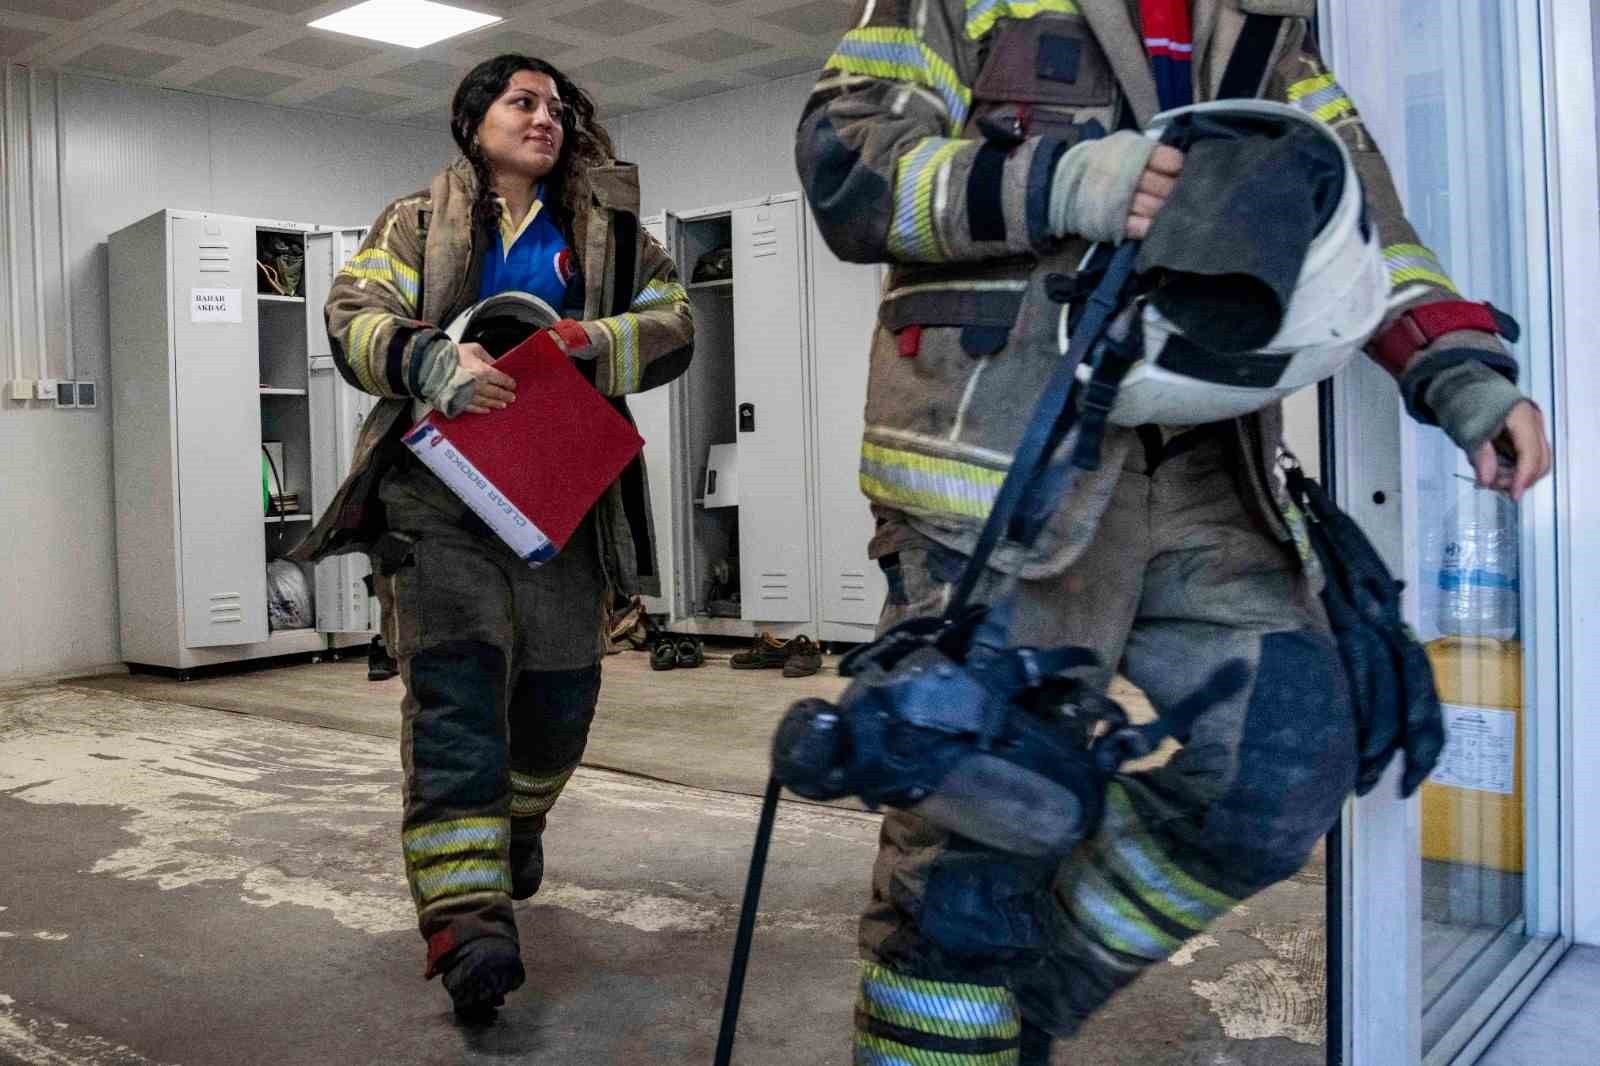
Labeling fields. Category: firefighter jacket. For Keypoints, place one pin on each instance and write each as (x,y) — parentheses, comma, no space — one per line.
(930,142)
(418,269)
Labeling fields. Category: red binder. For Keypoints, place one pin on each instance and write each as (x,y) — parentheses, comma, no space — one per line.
(532,470)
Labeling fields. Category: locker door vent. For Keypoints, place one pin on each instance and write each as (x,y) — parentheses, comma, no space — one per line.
(853,586)
(775,585)
(764,240)
(216,257)
(226,607)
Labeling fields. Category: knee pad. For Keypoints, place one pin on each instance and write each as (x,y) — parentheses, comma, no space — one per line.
(985,904)
(553,711)
(457,735)
(1296,759)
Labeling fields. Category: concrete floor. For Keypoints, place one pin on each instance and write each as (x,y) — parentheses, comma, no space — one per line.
(195,887)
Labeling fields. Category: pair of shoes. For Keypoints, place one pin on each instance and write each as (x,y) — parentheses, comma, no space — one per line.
(479,973)
(669,653)
(630,628)
(380,664)
(797,657)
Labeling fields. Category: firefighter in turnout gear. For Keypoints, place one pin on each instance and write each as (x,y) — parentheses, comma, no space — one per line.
(981,147)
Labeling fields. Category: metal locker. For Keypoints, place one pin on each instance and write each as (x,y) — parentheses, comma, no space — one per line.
(216,385)
(769,380)
(652,414)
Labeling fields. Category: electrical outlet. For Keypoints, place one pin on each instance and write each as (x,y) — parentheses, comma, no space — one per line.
(21,389)
(44,389)
(66,394)
(86,394)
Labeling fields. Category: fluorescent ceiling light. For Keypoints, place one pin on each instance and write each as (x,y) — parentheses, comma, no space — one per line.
(411,23)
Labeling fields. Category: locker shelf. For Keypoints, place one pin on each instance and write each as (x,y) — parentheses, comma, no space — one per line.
(273,519)
(273,390)
(274,298)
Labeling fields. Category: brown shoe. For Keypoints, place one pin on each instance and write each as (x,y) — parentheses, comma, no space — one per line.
(766,652)
(805,658)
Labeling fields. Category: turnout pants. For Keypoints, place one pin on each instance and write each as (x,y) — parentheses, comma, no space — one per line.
(501,664)
(975,957)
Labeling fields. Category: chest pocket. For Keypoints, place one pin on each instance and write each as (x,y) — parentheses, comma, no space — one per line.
(1051,60)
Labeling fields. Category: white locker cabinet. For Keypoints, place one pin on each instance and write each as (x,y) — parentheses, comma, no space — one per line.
(206,371)
(779,374)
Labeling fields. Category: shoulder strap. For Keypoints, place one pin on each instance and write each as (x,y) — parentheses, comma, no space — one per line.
(1247,67)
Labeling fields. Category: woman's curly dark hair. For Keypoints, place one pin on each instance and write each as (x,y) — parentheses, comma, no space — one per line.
(584,143)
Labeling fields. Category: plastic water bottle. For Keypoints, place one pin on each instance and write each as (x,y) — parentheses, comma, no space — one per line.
(1478,562)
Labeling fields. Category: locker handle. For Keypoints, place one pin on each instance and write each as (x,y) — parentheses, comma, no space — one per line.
(747,418)
(711,482)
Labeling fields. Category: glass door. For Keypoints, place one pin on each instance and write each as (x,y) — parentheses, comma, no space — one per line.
(1451,90)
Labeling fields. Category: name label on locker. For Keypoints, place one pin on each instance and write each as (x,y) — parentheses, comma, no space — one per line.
(215,305)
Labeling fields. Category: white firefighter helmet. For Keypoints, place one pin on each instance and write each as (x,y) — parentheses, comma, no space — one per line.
(502,322)
(1338,300)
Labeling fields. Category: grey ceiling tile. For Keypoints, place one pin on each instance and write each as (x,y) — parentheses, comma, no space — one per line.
(323,52)
(614,18)
(13,41)
(693,91)
(820,18)
(71,10)
(614,72)
(194,28)
(128,62)
(786,68)
(281,7)
(243,82)
(355,101)
(427,74)
(712,46)
(493,41)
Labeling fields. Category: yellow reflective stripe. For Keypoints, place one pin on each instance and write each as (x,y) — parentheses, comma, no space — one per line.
(532,796)
(1321,97)
(458,836)
(623,332)
(881,1051)
(1408,263)
(359,336)
(899,54)
(944,1008)
(1122,824)
(914,233)
(461,877)
(927,483)
(659,294)
(376,264)
(983,14)
(1116,920)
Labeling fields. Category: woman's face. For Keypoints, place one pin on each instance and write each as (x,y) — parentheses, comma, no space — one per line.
(521,133)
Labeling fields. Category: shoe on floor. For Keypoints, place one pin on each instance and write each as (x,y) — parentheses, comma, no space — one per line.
(664,655)
(805,658)
(380,664)
(766,652)
(478,975)
(691,653)
(527,864)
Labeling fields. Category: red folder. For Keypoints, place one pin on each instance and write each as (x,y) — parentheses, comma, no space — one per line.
(532,470)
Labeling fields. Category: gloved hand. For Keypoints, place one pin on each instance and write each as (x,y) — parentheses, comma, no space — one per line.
(1488,418)
(472,384)
(1111,188)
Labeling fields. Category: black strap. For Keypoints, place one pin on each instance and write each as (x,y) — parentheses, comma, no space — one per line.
(626,234)
(747,924)
(1247,67)
(1048,425)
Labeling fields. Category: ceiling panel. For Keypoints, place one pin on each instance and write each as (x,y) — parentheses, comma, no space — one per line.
(631,54)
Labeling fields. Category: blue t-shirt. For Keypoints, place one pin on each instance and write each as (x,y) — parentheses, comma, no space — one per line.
(538,262)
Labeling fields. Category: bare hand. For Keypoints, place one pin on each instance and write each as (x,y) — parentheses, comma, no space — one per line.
(1155,185)
(494,389)
(1524,447)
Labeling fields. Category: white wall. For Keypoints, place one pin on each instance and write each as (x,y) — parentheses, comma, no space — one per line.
(129,151)
(734,146)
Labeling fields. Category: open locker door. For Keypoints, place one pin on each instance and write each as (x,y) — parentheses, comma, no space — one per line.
(769,379)
(337,413)
(652,415)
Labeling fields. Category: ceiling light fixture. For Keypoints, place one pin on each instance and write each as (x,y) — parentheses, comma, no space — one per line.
(410,23)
